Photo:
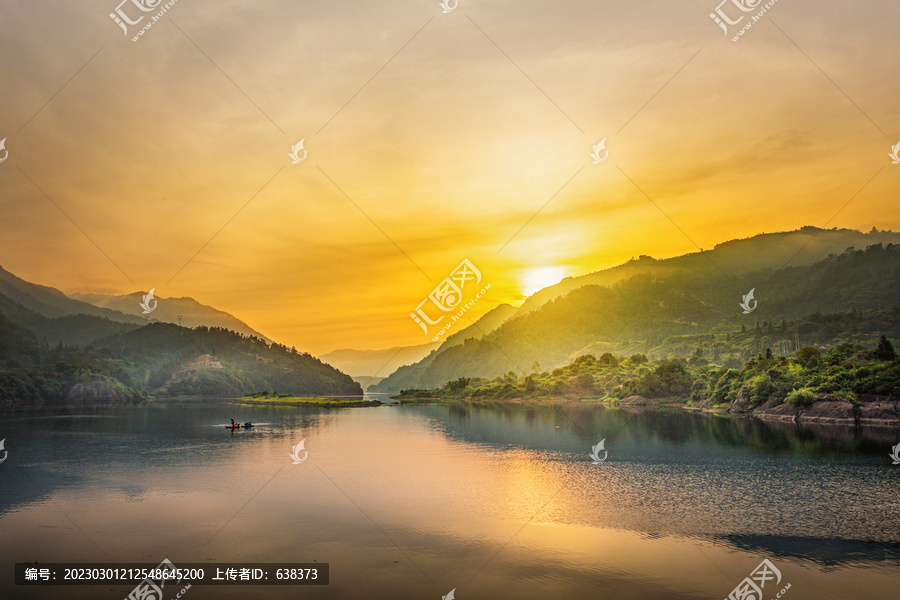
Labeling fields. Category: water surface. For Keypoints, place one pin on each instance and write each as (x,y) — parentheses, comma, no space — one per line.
(497,502)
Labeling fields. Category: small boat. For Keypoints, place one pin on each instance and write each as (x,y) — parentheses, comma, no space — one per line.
(246,425)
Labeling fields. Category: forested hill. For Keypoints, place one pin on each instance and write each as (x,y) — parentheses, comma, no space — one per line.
(667,316)
(156,360)
(171,360)
(803,247)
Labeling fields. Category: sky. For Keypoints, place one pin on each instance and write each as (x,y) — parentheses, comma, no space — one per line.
(429,138)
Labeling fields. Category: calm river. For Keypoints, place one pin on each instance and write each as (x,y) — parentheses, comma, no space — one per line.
(411,502)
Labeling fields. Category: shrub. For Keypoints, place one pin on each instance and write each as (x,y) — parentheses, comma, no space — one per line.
(808,356)
(802,397)
(760,388)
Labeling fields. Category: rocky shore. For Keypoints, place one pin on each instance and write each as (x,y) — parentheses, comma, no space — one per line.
(827,408)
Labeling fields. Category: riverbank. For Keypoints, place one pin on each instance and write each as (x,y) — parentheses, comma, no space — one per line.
(475,400)
(287,400)
(633,401)
(827,409)
(883,411)
(847,384)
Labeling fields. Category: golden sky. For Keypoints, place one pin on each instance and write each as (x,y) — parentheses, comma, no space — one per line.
(431,138)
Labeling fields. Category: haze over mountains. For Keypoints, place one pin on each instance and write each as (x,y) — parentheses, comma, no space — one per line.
(377,363)
(647,305)
(52,303)
(56,349)
(658,307)
(733,257)
(168,310)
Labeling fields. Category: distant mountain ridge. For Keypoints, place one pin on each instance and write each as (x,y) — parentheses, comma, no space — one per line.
(365,381)
(367,366)
(376,363)
(411,375)
(804,246)
(69,330)
(167,310)
(641,305)
(52,303)
(60,350)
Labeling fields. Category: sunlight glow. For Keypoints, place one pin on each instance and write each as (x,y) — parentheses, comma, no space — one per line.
(541,277)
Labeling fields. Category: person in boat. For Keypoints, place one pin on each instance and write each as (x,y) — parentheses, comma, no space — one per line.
(232,422)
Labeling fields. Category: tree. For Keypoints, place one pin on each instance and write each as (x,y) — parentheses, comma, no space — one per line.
(529,383)
(808,356)
(637,359)
(458,385)
(608,359)
(584,383)
(884,350)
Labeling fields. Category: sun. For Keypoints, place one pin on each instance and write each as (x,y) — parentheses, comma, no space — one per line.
(538,278)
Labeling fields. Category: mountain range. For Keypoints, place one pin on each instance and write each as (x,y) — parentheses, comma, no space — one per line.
(664,307)
(123,310)
(59,349)
(376,364)
(181,311)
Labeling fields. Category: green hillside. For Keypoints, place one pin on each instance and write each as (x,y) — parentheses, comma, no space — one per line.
(165,359)
(765,251)
(35,374)
(670,316)
(70,330)
(157,359)
(863,382)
